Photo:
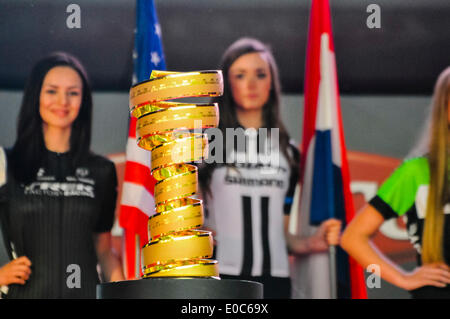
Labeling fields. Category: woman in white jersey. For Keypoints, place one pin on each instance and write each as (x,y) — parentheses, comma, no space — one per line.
(248,195)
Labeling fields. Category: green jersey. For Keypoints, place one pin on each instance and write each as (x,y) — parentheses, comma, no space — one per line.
(405,193)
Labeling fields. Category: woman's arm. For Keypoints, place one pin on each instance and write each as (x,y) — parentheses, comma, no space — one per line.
(327,234)
(356,241)
(108,259)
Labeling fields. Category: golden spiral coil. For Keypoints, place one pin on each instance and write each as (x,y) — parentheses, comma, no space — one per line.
(176,247)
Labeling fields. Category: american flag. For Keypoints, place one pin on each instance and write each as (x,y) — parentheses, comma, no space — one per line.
(137,202)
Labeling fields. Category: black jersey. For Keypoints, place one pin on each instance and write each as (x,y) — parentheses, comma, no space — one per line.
(52,221)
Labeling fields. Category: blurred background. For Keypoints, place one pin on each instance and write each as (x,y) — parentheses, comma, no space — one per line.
(386,75)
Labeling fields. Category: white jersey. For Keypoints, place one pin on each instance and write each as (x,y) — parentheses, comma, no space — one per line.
(247,212)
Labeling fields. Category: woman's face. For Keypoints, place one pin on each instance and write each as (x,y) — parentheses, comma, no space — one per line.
(250,81)
(60,98)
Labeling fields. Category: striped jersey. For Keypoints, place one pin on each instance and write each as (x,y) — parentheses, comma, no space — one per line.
(249,201)
(52,220)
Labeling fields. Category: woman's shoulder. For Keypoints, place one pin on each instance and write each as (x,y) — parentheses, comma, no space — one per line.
(415,164)
(412,171)
(417,160)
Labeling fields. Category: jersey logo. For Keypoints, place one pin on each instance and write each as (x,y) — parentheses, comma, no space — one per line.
(41,172)
(81,172)
(59,189)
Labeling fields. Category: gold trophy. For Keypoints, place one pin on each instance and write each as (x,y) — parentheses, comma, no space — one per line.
(177,248)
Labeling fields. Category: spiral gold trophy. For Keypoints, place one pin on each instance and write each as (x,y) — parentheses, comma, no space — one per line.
(177,249)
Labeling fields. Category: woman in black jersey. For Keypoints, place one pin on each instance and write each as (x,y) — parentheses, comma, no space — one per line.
(247,202)
(58,202)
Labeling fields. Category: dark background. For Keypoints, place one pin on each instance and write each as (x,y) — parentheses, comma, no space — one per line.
(404,56)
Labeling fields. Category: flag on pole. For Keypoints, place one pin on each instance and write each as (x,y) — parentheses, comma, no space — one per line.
(137,202)
(325,178)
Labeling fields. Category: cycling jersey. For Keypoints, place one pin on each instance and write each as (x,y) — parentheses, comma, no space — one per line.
(247,208)
(405,193)
(52,221)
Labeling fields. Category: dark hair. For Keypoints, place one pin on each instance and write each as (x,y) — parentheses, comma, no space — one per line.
(28,150)
(227,105)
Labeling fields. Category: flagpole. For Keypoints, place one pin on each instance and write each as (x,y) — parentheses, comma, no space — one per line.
(137,260)
(333,271)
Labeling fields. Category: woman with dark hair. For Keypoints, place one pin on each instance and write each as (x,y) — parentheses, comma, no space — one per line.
(248,201)
(420,190)
(59,198)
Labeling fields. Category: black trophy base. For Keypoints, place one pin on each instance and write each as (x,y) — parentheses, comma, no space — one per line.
(181,288)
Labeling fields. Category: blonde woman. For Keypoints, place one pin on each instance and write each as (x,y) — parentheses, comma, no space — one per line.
(420,190)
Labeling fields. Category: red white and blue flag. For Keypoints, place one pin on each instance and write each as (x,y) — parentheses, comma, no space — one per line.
(325,180)
(137,202)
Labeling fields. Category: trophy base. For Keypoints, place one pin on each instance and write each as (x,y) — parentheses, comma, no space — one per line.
(180,288)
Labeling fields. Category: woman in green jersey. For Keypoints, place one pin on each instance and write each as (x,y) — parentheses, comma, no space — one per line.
(420,190)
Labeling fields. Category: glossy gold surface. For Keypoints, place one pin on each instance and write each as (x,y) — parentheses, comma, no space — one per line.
(173,133)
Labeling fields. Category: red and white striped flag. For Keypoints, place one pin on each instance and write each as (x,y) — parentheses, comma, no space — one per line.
(137,202)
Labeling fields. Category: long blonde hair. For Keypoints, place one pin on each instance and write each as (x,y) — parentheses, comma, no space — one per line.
(439,159)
